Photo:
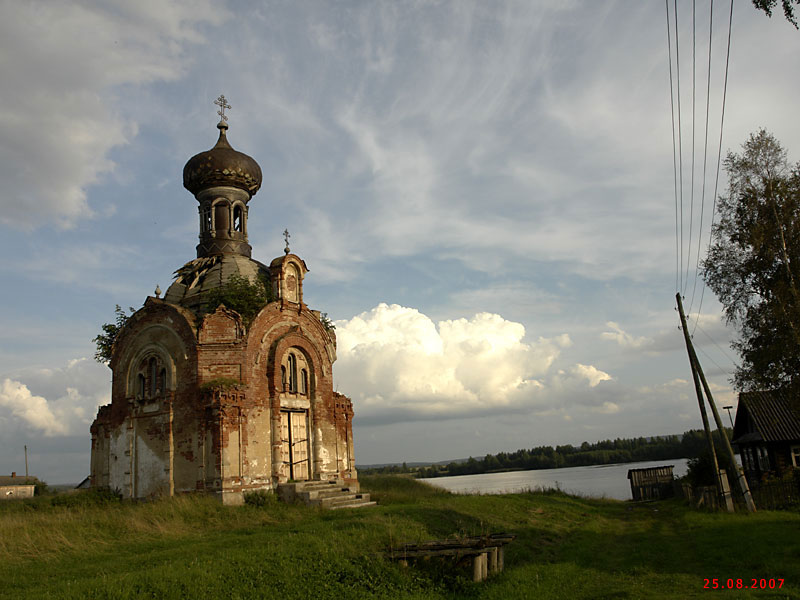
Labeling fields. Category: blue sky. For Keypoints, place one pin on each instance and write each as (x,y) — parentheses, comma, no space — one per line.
(483,193)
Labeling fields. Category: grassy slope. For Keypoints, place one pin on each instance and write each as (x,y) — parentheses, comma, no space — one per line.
(565,548)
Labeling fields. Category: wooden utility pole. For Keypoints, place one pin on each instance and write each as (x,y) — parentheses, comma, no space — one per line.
(26,460)
(697,372)
(748,497)
(700,403)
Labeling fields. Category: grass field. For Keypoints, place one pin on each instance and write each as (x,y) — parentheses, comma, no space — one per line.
(566,547)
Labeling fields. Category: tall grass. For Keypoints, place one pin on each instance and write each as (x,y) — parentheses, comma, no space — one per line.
(566,547)
(43,528)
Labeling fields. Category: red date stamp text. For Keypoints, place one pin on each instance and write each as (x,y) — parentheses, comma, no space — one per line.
(743,584)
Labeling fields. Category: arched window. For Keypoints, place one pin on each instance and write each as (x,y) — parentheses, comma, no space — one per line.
(237,218)
(162,382)
(303,381)
(140,386)
(153,370)
(292,373)
(283,378)
(205,219)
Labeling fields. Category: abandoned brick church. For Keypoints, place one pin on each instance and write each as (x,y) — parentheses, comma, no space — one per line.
(203,400)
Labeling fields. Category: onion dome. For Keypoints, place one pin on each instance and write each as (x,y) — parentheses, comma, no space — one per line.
(222,166)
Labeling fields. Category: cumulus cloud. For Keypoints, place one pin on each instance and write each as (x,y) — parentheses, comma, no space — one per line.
(398,364)
(60,81)
(591,374)
(624,339)
(63,401)
(16,398)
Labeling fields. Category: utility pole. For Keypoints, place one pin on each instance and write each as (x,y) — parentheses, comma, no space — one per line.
(748,497)
(699,393)
(26,460)
(697,371)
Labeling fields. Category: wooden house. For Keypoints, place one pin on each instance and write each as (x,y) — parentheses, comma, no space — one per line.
(767,432)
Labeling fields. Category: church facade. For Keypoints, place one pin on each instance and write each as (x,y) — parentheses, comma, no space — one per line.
(205,399)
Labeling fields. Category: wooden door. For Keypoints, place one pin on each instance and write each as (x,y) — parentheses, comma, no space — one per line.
(286,456)
(294,445)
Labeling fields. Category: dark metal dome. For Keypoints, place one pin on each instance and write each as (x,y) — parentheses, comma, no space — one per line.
(222,165)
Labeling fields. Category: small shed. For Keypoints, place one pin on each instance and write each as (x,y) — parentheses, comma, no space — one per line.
(652,483)
(12,487)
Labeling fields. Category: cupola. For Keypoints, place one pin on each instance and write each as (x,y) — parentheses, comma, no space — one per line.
(223,181)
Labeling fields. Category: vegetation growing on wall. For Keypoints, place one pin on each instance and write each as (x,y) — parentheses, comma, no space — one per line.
(242,295)
(105,341)
(326,322)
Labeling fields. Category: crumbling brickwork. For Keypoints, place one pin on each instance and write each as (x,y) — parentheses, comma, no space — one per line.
(204,402)
(216,424)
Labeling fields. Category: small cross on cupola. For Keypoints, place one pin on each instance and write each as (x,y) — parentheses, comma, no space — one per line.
(223,104)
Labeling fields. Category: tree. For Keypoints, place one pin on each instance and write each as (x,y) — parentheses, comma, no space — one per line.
(788,9)
(105,341)
(753,263)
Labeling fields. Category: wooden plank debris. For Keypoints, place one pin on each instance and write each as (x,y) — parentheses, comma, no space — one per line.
(486,551)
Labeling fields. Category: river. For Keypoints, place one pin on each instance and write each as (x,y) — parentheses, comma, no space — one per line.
(598,481)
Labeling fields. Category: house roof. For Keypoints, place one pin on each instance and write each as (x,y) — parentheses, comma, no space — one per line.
(18,480)
(775,415)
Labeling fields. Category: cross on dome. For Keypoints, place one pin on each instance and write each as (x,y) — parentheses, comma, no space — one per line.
(223,104)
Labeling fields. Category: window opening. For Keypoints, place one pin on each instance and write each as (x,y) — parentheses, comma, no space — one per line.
(292,373)
(205,219)
(153,377)
(763,459)
(303,381)
(237,218)
(140,385)
(283,378)
(162,382)
(795,450)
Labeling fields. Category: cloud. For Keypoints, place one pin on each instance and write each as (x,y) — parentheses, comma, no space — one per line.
(708,331)
(624,339)
(591,374)
(33,411)
(399,365)
(69,61)
(63,402)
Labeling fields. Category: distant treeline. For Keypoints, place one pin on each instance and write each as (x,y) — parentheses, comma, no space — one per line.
(689,445)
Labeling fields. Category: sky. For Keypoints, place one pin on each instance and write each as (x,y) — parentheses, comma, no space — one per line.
(484,193)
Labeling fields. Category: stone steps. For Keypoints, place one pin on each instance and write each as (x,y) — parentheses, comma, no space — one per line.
(331,494)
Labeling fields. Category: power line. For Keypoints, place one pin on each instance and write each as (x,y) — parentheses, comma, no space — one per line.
(680,142)
(719,150)
(721,349)
(691,189)
(724,370)
(674,153)
(705,155)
